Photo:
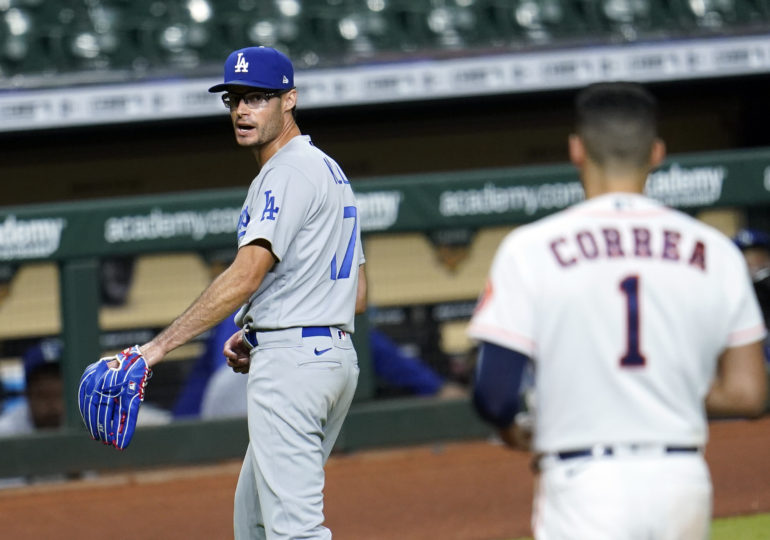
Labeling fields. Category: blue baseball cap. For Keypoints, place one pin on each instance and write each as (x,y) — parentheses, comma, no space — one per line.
(749,238)
(257,67)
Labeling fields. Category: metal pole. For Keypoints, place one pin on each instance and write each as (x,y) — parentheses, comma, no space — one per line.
(79,280)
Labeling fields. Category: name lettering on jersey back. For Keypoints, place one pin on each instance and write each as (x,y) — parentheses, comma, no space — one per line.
(337,175)
(611,243)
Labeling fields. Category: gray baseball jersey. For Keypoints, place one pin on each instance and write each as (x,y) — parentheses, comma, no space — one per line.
(313,227)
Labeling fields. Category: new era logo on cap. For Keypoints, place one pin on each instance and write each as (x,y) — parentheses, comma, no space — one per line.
(257,67)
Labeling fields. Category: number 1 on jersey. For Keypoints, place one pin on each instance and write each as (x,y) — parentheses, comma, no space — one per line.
(633,357)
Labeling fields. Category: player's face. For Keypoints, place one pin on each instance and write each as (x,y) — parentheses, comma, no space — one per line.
(257,117)
(45,397)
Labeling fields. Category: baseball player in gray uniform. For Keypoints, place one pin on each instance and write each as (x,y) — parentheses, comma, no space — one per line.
(298,277)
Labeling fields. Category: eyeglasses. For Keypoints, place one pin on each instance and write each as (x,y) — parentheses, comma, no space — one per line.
(253,100)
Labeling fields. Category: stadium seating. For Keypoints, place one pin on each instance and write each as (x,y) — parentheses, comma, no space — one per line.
(405,269)
(154,38)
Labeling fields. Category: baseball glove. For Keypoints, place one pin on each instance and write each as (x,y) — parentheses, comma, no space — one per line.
(109,398)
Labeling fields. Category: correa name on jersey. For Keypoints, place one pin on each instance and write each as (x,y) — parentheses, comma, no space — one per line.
(639,242)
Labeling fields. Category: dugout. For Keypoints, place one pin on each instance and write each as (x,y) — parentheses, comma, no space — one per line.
(64,243)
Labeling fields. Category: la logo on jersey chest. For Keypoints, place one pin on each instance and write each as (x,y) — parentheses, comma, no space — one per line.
(639,243)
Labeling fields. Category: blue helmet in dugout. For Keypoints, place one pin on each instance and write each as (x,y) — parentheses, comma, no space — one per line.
(750,238)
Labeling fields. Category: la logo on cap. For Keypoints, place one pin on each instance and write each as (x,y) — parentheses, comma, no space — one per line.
(285,80)
(242,66)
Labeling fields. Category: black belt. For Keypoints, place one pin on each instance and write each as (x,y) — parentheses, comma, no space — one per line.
(609,451)
(307,331)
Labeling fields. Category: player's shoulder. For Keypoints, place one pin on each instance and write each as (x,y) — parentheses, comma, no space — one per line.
(534,231)
(704,230)
(524,236)
(299,151)
(292,154)
(291,163)
(300,158)
(721,249)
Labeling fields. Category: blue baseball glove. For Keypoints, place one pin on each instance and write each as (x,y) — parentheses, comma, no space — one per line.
(109,397)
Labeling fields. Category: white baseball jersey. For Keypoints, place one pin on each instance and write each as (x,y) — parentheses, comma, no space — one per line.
(312,224)
(624,305)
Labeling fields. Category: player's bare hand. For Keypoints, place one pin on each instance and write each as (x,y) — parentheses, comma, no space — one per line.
(519,434)
(237,353)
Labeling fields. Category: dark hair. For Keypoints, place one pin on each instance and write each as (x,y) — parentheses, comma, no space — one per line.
(617,122)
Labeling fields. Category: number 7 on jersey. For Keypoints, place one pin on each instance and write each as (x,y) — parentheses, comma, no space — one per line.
(347,260)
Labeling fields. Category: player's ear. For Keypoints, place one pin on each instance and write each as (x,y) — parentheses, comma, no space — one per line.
(577,150)
(657,152)
(289,100)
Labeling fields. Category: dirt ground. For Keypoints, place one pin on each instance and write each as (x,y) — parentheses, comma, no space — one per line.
(458,491)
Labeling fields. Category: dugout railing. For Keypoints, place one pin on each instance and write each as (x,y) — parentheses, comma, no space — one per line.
(76,235)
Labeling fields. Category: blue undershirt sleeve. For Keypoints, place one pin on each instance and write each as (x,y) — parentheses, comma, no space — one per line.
(399,369)
(497,387)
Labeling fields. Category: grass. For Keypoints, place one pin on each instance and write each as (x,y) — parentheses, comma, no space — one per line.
(756,527)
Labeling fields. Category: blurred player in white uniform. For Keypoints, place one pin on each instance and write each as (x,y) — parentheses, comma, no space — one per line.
(638,320)
(298,279)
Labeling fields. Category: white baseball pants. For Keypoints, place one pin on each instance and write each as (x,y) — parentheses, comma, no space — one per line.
(626,497)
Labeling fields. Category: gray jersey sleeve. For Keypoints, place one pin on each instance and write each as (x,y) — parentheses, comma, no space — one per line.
(277,209)
(360,249)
